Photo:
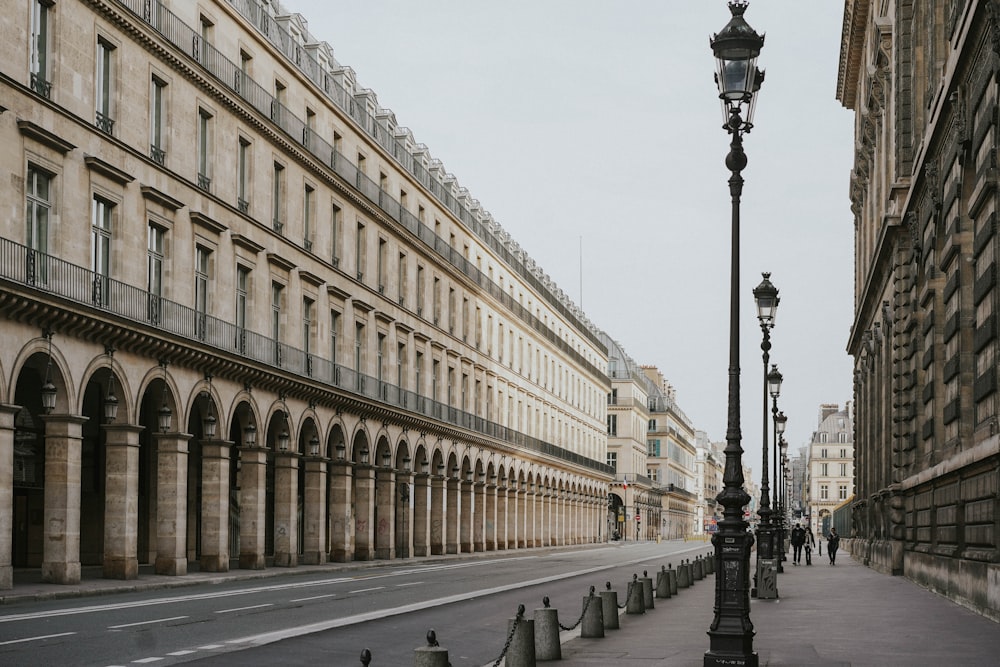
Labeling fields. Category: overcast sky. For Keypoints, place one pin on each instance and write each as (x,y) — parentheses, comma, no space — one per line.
(596,125)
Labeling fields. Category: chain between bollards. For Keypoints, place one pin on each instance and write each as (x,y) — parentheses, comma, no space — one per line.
(590,599)
(510,635)
(628,590)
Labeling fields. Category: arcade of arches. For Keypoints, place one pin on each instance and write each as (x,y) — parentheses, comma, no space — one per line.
(208,473)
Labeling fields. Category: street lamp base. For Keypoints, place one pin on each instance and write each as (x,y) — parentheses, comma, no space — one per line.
(718,659)
(767,580)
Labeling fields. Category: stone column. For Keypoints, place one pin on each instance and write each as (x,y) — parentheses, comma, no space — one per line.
(502,503)
(314,540)
(541,502)
(286,506)
(171,503)
(452,516)
(341,520)
(478,516)
(121,501)
(404,517)
(520,518)
(61,530)
(385,530)
(531,539)
(466,522)
(364,512)
(421,512)
(560,518)
(7,414)
(215,458)
(437,515)
(490,523)
(253,515)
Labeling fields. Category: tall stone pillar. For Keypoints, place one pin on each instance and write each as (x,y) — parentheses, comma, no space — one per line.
(385,528)
(544,512)
(521,519)
(341,519)
(61,531)
(560,518)
(490,522)
(364,512)
(466,523)
(215,458)
(437,515)
(479,516)
(315,508)
(404,516)
(121,501)
(286,506)
(421,515)
(452,516)
(253,514)
(502,504)
(7,414)
(531,539)
(171,503)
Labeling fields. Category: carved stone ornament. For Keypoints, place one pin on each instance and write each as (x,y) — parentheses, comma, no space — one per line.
(993,19)
(912,225)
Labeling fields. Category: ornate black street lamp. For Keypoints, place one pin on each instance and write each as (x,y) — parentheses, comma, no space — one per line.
(777,523)
(766,297)
(731,634)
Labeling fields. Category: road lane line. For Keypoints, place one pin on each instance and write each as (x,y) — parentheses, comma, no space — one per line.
(210,647)
(158,620)
(147,660)
(409,583)
(315,597)
(32,639)
(178,654)
(256,606)
(366,590)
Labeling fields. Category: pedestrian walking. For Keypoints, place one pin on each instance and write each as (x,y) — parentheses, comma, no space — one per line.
(832,542)
(798,538)
(810,543)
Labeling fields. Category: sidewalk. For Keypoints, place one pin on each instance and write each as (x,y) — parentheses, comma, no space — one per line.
(826,616)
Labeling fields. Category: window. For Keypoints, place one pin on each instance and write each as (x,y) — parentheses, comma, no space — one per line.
(653,447)
(380,356)
(651,426)
(400,364)
(204,149)
(822,453)
(278,102)
(420,290)
(843,453)
(307,218)
(243,74)
(277,290)
(277,192)
(100,261)
(242,302)
(157,121)
(359,250)
(154,270)
(451,310)
(335,227)
(613,425)
(243,176)
(418,368)
(201,256)
(401,278)
(435,372)
(824,436)
(39,205)
(335,323)
(842,492)
(841,437)
(843,470)
(380,268)
(41,16)
(104,84)
(307,331)
(824,491)
(359,337)
(612,460)
(824,469)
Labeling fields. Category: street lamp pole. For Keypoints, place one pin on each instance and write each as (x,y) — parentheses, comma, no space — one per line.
(766,297)
(776,519)
(731,634)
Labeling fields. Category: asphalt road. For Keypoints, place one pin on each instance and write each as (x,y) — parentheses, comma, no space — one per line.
(327,618)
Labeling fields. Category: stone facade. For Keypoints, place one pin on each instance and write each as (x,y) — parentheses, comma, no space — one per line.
(830,476)
(320,346)
(922,81)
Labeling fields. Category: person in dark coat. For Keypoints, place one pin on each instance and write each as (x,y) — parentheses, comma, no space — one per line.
(798,538)
(810,543)
(832,542)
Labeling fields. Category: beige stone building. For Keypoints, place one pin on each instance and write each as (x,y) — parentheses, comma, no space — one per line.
(710,461)
(249,320)
(830,467)
(921,78)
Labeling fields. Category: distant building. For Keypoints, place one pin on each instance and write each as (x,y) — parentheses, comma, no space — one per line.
(709,466)
(830,466)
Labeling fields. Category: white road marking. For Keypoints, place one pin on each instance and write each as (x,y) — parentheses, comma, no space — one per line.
(158,620)
(256,606)
(146,660)
(365,590)
(315,597)
(33,639)
(180,653)
(409,583)
(210,647)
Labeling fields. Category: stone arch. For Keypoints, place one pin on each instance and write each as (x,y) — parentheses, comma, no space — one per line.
(111,378)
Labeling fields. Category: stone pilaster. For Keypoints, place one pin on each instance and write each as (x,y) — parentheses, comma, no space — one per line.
(490,522)
(7,414)
(478,516)
(253,480)
(404,517)
(61,536)
(385,495)
(171,503)
(314,523)
(421,515)
(341,519)
(502,504)
(437,515)
(451,516)
(364,517)
(121,501)
(286,506)
(215,460)
(465,532)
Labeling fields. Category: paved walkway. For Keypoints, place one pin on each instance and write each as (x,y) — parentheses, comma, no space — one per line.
(826,616)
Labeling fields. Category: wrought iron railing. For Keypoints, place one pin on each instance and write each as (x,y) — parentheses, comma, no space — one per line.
(29,270)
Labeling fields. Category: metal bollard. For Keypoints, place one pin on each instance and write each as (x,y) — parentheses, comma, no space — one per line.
(672,577)
(609,607)
(547,646)
(662,583)
(647,590)
(592,621)
(635,602)
(521,651)
(710,561)
(690,568)
(431,655)
(366,657)
(683,576)
(699,569)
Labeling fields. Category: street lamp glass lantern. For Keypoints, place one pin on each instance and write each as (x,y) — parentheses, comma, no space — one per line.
(314,445)
(208,426)
(774,379)
(250,435)
(736,49)
(779,422)
(766,296)
(283,439)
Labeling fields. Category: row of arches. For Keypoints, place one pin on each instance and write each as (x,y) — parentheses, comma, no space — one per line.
(141,463)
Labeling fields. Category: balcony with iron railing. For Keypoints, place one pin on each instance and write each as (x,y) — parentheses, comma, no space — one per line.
(187,39)
(105,123)
(27,271)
